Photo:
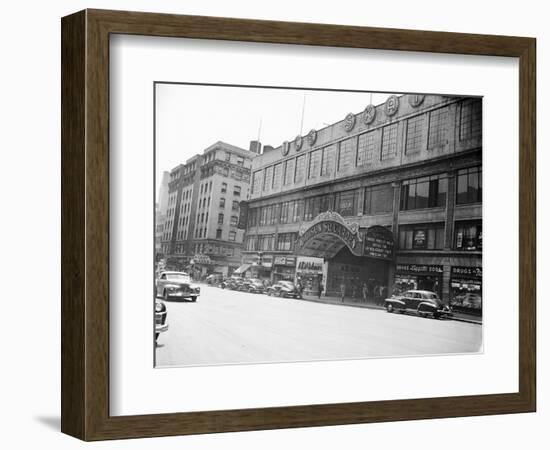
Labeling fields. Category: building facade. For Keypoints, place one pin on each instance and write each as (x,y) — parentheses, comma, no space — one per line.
(387,199)
(161,208)
(203,230)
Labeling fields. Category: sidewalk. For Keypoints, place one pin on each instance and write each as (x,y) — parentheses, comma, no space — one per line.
(358,303)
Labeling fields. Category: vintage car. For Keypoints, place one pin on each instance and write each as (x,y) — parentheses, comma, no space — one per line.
(235,283)
(176,285)
(253,285)
(214,279)
(284,289)
(423,303)
(160,318)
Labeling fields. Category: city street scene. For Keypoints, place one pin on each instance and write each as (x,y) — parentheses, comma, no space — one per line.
(304,225)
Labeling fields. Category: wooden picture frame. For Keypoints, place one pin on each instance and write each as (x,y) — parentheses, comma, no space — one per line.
(85,224)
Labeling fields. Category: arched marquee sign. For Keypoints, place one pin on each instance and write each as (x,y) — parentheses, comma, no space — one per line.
(333,224)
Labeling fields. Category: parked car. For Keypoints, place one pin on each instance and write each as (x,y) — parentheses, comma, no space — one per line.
(234,283)
(284,289)
(160,318)
(254,285)
(423,303)
(214,279)
(468,300)
(176,285)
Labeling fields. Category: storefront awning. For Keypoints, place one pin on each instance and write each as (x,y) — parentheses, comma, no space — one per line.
(242,269)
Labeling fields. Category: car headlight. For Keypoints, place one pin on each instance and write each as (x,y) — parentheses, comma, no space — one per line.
(159,307)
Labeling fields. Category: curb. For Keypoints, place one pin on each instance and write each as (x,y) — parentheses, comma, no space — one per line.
(379,308)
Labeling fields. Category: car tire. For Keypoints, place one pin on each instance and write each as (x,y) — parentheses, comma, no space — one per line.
(156,336)
(193,299)
(389,307)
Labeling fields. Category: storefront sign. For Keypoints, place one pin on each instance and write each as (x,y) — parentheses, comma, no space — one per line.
(284,261)
(336,227)
(309,265)
(468,272)
(419,268)
(202,259)
(378,243)
(420,239)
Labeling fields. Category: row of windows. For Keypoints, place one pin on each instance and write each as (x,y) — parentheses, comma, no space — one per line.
(416,193)
(468,237)
(362,150)
(267,242)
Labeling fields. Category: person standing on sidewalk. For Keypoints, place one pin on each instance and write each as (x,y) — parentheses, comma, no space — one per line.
(343,291)
(364,291)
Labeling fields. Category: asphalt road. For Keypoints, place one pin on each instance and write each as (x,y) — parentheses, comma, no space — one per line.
(229,327)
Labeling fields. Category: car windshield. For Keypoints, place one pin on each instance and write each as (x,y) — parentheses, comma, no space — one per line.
(287,284)
(177,277)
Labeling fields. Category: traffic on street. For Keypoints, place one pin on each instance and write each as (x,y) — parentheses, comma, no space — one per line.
(230,326)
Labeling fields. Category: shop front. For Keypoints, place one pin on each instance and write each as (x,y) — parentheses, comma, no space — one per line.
(466,289)
(428,277)
(309,273)
(284,268)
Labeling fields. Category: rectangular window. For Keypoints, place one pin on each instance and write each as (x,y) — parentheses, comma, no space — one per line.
(240,161)
(289,171)
(346,203)
(469,186)
(283,216)
(234,221)
(470,119)
(378,199)
(347,151)
(235,205)
(218,233)
(326,203)
(311,208)
(327,164)
(237,191)
(256,181)
(468,235)
(425,192)
(224,188)
(277,176)
(389,142)
(365,149)
(232,235)
(439,125)
(314,164)
(222,202)
(285,241)
(414,134)
(298,210)
(300,169)
(422,236)
(268,178)
(227,156)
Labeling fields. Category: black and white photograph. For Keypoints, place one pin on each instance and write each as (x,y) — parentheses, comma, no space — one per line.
(299,224)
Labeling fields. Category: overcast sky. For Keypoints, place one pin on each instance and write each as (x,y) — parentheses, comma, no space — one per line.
(190,118)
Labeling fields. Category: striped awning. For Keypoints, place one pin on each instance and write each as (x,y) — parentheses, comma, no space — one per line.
(242,269)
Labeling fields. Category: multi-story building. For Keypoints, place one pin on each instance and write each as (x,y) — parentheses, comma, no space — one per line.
(388,198)
(161,208)
(203,229)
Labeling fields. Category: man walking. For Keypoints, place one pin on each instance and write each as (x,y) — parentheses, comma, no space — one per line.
(319,290)
(343,291)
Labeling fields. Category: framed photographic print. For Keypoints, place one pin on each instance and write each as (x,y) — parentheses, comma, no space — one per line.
(272,225)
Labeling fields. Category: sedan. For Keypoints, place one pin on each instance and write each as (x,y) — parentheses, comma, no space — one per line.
(284,289)
(422,303)
(176,285)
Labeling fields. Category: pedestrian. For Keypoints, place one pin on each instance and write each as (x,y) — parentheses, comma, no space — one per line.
(343,291)
(319,290)
(365,291)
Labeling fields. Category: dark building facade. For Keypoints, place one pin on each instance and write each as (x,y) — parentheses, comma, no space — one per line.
(387,199)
